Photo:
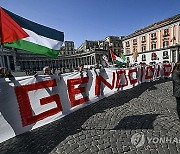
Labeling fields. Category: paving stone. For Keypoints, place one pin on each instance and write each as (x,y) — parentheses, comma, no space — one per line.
(87,151)
(94,149)
(154,151)
(82,148)
(166,151)
(146,152)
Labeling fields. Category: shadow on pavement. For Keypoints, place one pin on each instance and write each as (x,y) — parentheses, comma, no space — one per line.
(137,122)
(46,138)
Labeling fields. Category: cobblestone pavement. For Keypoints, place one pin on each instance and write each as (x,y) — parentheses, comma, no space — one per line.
(110,126)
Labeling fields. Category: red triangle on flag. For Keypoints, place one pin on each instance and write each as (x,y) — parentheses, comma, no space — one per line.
(112,55)
(10,30)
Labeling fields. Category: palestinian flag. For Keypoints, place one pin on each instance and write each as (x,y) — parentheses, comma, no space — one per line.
(20,33)
(120,61)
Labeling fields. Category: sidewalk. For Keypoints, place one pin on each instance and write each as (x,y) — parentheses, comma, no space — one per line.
(131,121)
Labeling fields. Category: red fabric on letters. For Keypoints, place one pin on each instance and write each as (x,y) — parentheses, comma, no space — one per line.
(25,108)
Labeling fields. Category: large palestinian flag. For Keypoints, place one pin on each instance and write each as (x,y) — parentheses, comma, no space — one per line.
(120,61)
(20,33)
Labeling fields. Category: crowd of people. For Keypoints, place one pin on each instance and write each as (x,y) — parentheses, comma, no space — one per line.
(5,73)
(47,70)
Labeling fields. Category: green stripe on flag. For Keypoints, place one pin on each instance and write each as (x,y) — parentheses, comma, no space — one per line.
(118,63)
(123,57)
(35,48)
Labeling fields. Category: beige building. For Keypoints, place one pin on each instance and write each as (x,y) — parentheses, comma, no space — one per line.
(115,42)
(159,42)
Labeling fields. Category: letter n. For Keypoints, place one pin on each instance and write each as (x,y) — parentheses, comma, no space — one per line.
(100,79)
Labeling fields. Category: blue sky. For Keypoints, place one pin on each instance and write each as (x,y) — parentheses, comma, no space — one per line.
(82,20)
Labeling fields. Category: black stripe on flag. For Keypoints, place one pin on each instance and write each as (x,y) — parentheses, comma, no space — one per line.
(37,28)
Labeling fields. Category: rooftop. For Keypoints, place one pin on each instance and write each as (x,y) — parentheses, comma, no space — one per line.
(154,26)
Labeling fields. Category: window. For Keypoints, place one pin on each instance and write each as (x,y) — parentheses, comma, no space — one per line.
(127,44)
(153,56)
(165,43)
(135,41)
(143,48)
(143,39)
(143,57)
(134,49)
(128,60)
(128,51)
(165,55)
(153,45)
(166,32)
(153,36)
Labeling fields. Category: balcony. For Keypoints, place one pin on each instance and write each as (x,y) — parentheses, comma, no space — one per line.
(153,38)
(166,57)
(128,52)
(142,41)
(165,34)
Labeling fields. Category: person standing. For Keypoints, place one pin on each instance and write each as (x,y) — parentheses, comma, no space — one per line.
(176,85)
(47,70)
(5,73)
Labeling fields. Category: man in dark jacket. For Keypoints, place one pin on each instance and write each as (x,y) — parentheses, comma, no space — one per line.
(176,85)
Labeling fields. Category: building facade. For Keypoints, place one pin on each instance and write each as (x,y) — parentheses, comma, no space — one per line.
(69,58)
(87,46)
(68,48)
(159,42)
(115,42)
(8,58)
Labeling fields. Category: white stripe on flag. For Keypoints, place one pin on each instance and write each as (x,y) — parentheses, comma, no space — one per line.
(43,41)
(119,59)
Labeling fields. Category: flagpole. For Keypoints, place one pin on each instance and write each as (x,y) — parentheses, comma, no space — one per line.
(111,56)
